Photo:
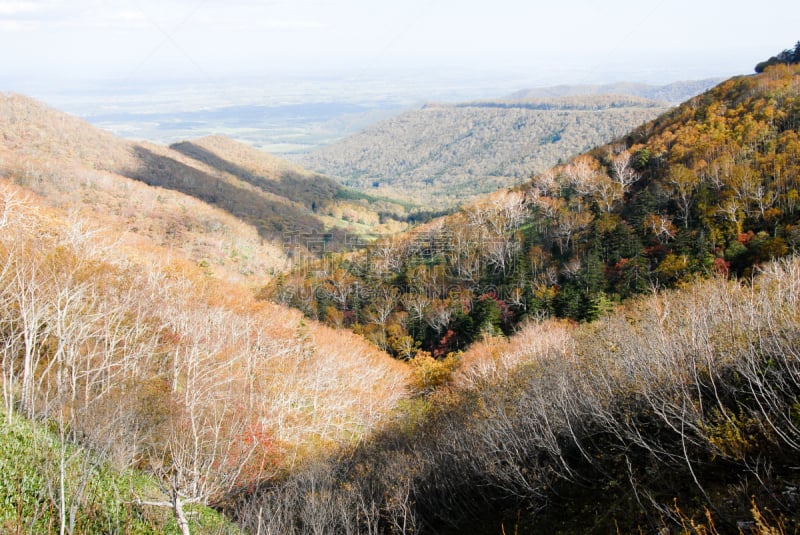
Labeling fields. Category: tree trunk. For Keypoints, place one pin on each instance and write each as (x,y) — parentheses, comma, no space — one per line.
(180,515)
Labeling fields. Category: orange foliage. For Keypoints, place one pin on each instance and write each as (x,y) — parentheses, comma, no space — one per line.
(250,384)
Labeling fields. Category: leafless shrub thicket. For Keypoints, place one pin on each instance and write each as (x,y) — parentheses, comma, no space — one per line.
(690,394)
(164,369)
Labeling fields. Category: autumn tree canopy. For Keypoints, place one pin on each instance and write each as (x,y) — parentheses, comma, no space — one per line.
(709,188)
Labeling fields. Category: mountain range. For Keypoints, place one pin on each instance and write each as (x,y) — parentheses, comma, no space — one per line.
(452,152)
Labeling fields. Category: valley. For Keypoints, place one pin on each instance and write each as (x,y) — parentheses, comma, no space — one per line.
(539,313)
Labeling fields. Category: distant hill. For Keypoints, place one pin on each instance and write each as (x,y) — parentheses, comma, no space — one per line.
(217,199)
(673,93)
(444,154)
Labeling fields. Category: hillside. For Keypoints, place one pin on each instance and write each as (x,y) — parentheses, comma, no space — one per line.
(208,190)
(139,363)
(444,154)
(674,414)
(709,187)
(665,402)
(674,93)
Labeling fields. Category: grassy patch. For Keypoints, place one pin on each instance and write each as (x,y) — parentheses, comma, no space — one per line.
(98,498)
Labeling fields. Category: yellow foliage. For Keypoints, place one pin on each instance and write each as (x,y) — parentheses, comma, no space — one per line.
(429,373)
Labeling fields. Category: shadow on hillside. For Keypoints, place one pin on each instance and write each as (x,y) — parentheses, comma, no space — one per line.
(273,220)
(311,191)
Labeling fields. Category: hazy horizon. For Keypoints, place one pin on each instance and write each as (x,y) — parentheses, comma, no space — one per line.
(94,45)
(118,64)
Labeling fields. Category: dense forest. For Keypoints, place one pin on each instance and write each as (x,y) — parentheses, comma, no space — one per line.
(445,154)
(709,188)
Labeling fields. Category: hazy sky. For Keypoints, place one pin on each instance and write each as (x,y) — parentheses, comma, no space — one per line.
(59,42)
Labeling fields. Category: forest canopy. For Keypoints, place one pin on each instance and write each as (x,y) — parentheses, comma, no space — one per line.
(709,188)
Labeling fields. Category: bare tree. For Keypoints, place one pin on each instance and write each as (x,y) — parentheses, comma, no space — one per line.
(684,184)
(661,226)
(569,223)
(608,192)
(622,171)
(340,285)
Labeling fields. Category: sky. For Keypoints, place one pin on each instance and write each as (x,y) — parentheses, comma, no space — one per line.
(66,43)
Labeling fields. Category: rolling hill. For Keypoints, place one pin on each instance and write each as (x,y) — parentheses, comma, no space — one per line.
(215,198)
(445,154)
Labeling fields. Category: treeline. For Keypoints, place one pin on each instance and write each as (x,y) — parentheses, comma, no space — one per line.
(675,414)
(444,155)
(277,201)
(787,57)
(323,199)
(572,102)
(708,188)
(135,364)
(674,93)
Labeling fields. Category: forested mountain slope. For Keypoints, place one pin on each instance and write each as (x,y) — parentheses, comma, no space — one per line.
(444,154)
(77,165)
(677,413)
(710,187)
(138,370)
(129,359)
(671,412)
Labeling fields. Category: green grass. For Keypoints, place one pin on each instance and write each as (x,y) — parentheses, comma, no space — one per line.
(101,496)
